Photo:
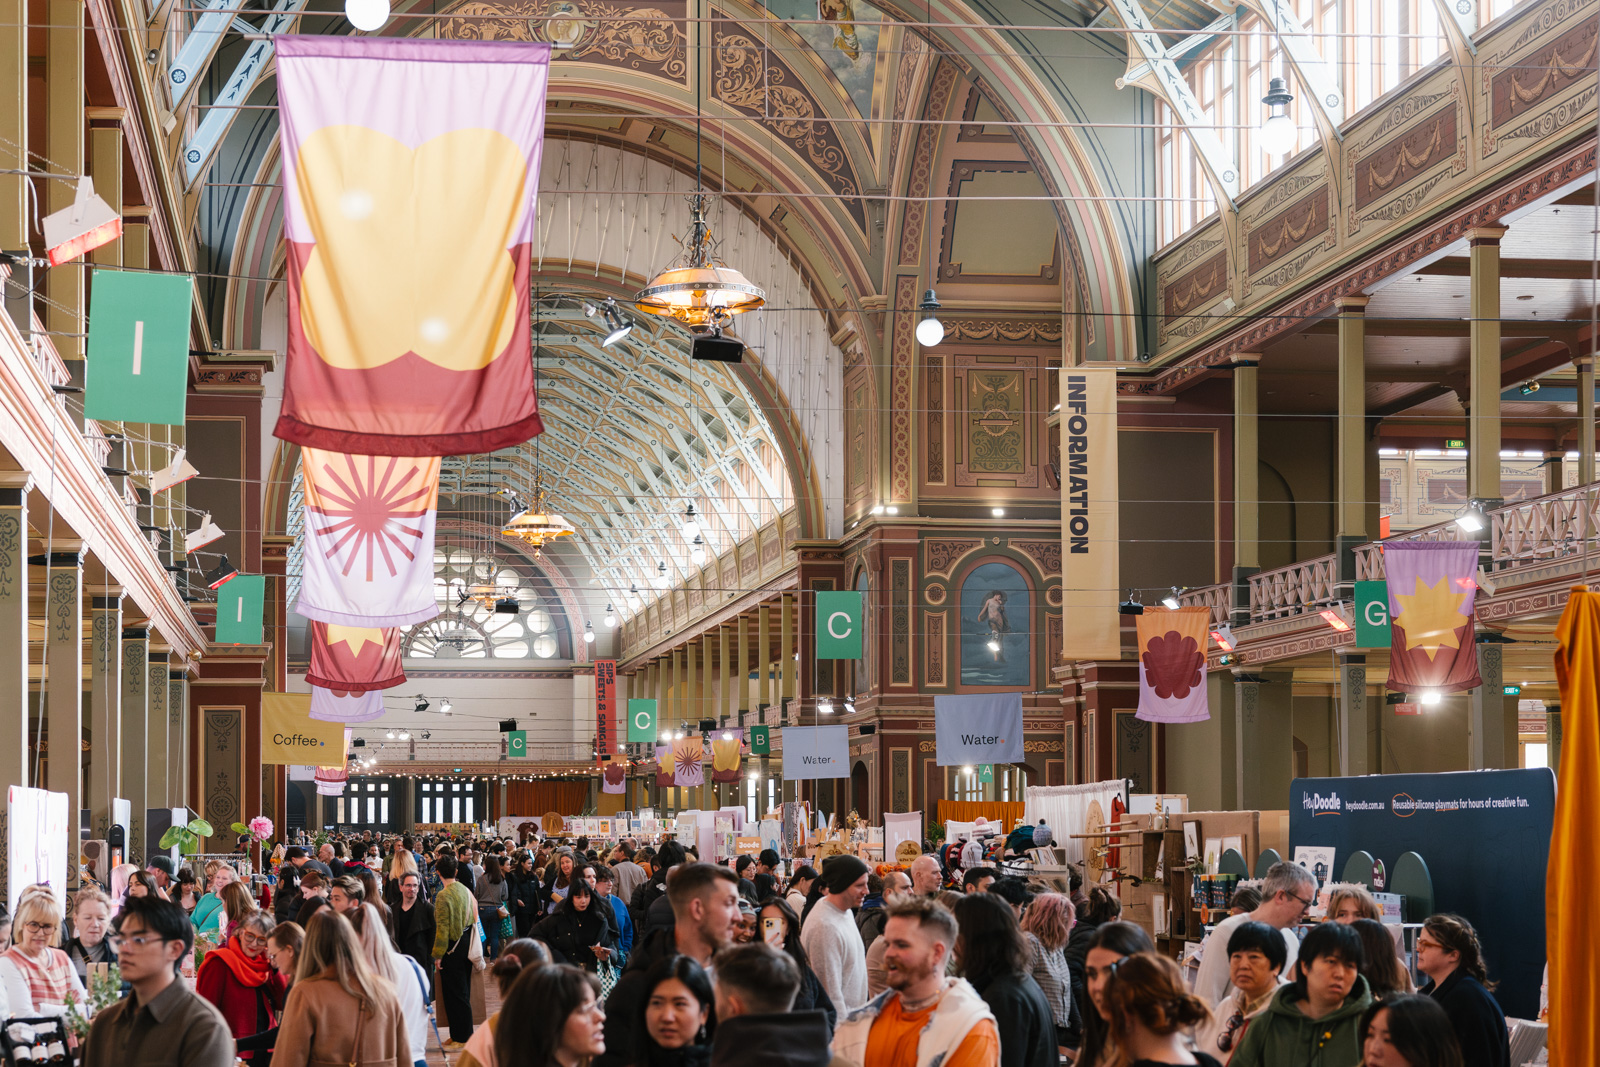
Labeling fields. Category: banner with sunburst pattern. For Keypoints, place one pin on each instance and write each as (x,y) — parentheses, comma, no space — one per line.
(369,529)
(1433,587)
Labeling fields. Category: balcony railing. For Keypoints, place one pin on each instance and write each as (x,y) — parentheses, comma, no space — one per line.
(1293,590)
(1545,528)
(1216,597)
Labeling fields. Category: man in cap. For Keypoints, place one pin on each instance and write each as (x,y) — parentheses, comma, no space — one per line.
(829,935)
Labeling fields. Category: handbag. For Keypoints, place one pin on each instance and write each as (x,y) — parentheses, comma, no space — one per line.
(508,929)
(475,946)
(608,978)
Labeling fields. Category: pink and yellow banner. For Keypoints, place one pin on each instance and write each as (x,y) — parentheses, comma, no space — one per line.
(410,174)
(1433,587)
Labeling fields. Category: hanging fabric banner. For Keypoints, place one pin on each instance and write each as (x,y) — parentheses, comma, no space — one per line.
(687,752)
(839,624)
(331,777)
(641,721)
(605,708)
(977,728)
(1432,591)
(355,659)
(331,706)
(369,524)
(615,778)
(240,604)
(410,179)
(726,746)
(1091,627)
(1172,664)
(289,736)
(666,766)
(816,752)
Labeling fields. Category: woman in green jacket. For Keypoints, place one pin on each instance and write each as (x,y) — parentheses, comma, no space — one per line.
(1316,1021)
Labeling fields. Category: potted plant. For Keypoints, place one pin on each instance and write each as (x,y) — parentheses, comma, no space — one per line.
(187,838)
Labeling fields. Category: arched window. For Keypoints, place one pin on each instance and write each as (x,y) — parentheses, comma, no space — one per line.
(469,628)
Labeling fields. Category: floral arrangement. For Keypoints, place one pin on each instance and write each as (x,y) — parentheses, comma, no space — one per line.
(258,828)
(105,986)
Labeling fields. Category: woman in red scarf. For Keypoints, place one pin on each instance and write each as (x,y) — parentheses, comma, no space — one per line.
(240,980)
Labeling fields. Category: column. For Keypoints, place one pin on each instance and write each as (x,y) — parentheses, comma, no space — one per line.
(1352,437)
(1552,736)
(1483,413)
(742,670)
(786,647)
(14,487)
(726,706)
(63,686)
(1586,429)
(105,166)
(135,737)
(178,739)
(1264,736)
(662,694)
(1354,715)
(15,208)
(158,770)
(680,684)
(105,699)
(1246,488)
(763,658)
(63,146)
(1555,470)
(1486,714)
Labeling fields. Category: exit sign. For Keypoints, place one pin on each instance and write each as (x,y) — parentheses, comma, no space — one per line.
(1512,690)
(1455,442)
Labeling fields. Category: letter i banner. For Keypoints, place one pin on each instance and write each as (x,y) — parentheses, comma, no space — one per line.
(138,351)
(410,182)
(239,606)
(977,728)
(1172,664)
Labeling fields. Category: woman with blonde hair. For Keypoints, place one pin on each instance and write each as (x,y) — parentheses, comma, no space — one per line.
(237,906)
(1347,903)
(402,972)
(91,919)
(209,918)
(339,1010)
(33,971)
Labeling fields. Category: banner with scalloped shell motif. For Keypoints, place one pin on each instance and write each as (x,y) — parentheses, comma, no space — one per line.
(1172,664)
(410,174)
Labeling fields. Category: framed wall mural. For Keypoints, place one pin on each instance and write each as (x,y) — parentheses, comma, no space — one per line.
(996,628)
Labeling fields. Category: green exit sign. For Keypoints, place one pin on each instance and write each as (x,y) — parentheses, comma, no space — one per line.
(1512,690)
(1455,442)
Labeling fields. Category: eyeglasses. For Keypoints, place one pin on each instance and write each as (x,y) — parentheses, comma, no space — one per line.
(136,940)
(1304,903)
(40,928)
(1423,942)
(1226,1038)
(252,939)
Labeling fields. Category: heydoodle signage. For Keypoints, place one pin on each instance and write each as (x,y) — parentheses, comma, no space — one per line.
(290,735)
(1484,835)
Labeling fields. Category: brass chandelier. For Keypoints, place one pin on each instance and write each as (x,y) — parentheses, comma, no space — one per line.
(535,525)
(698,289)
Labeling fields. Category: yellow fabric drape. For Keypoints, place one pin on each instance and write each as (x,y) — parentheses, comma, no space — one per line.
(1004,812)
(1572,927)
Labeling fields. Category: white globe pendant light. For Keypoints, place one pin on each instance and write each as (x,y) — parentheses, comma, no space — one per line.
(367,15)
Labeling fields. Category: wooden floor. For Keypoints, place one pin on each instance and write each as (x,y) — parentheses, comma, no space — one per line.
(491,999)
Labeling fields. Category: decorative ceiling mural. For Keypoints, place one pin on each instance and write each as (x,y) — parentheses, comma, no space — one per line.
(848,44)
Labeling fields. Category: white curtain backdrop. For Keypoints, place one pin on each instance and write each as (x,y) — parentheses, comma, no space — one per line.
(898,827)
(1064,807)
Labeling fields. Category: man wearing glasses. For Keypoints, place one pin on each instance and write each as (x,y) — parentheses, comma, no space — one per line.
(1286,893)
(161,1023)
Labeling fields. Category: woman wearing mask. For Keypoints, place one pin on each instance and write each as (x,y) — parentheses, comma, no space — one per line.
(240,980)
(1149,1013)
(779,927)
(672,1023)
(33,971)
(1409,1030)
(1112,943)
(515,957)
(494,901)
(553,1017)
(283,952)
(91,916)
(339,1011)
(577,929)
(1046,926)
(1458,979)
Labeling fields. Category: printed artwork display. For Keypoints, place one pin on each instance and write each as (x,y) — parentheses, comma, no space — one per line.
(996,635)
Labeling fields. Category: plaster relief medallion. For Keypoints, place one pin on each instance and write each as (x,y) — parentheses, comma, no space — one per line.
(936,594)
(564,25)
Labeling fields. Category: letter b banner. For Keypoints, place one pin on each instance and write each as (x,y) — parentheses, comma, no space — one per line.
(641,721)
(838,625)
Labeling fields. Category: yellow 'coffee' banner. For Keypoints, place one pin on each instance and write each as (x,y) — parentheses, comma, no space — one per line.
(1089,500)
(290,735)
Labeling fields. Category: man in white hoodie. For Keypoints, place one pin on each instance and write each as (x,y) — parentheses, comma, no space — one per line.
(925,1017)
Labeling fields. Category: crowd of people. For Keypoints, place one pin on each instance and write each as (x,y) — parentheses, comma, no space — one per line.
(617,956)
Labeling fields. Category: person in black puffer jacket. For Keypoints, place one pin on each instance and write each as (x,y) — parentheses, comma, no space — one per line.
(670,855)
(524,899)
(994,958)
(578,929)
(1101,908)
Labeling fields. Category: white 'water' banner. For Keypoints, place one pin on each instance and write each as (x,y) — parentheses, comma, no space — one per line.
(975,728)
(816,752)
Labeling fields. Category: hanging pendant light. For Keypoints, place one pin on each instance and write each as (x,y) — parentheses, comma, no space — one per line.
(535,525)
(698,289)
(930,331)
(1279,133)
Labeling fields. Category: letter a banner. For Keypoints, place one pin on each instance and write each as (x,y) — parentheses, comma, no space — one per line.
(410,174)
(1172,664)
(369,539)
(1432,587)
(1091,627)
(974,728)
(839,625)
